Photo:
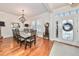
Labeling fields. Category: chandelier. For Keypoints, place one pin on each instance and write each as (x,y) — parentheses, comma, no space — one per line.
(22,18)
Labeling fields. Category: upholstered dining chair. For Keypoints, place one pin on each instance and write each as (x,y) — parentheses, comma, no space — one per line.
(15,34)
(19,39)
(31,39)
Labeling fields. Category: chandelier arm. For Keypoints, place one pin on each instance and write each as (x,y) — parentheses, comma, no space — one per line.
(22,18)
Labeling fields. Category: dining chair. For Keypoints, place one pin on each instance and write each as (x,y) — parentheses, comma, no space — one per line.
(15,34)
(19,39)
(31,39)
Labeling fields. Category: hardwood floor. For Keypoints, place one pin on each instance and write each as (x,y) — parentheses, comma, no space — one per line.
(9,47)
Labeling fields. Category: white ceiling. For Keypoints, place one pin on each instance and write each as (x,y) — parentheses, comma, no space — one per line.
(30,9)
(52,6)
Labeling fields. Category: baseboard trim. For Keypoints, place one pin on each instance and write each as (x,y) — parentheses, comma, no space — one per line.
(39,37)
(46,39)
(7,37)
(66,43)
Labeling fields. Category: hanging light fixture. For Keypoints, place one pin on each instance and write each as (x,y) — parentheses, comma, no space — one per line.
(22,18)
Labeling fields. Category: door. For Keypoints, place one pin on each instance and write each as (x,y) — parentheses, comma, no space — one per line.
(67,29)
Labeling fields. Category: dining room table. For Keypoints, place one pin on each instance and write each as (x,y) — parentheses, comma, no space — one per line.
(26,36)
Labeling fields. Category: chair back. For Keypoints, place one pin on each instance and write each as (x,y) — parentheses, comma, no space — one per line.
(16,33)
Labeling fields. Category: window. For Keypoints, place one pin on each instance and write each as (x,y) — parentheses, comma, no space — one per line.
(37,25)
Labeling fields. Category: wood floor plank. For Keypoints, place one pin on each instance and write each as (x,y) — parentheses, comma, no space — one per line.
(9,47)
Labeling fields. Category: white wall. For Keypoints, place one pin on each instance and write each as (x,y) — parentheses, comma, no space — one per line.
(8,19)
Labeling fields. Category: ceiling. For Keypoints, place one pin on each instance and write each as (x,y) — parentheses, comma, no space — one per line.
(30,9)
(52,6)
